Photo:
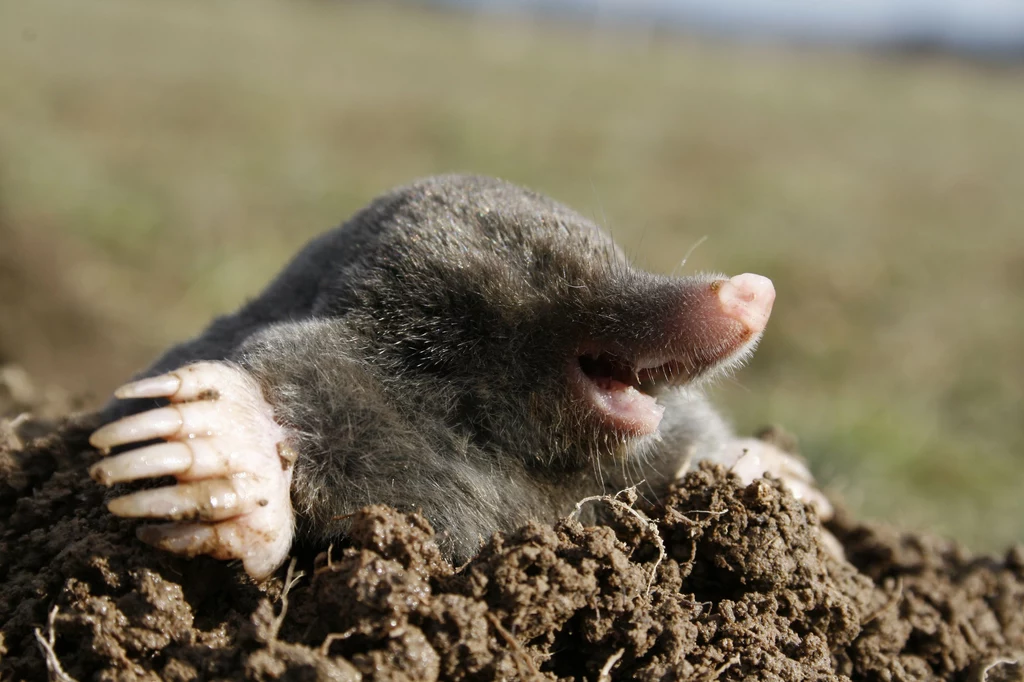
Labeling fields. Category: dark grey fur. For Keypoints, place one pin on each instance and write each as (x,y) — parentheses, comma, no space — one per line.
(417,355)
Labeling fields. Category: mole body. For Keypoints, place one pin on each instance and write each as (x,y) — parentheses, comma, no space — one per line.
(461,347)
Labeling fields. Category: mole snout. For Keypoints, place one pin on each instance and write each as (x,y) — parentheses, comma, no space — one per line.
(706,327)
(748,299)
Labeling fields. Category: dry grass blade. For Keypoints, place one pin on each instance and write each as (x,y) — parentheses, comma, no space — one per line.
(649,526)
(53,667)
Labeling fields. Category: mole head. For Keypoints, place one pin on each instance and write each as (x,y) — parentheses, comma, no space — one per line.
(527,325)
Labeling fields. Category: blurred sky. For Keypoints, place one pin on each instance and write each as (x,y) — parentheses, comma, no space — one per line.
(994,27)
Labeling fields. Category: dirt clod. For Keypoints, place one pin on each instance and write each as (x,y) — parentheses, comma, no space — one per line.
(742,588)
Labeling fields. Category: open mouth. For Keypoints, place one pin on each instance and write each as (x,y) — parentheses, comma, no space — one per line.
(705,327)
(625,393)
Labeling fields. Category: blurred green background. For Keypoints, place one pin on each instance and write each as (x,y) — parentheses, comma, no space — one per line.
(160,161)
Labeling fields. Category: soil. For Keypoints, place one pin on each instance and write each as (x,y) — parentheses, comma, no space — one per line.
(720,581)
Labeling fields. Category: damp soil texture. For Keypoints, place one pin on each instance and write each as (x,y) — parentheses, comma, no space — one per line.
(718,582)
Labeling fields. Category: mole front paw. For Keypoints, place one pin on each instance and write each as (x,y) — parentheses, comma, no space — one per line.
(754,458)
(230,457)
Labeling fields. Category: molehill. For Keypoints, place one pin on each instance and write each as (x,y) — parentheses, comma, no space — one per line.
(719,581)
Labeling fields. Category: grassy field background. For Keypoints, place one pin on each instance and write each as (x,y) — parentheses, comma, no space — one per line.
(160,161)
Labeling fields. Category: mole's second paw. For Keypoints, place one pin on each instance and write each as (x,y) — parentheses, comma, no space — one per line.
(754,458)
(234,469)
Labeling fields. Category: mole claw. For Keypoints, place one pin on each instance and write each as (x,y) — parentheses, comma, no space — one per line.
(212,499)
(224,541)
(165,459)
(156,503)
(159,423)
(163,386)
(187,539)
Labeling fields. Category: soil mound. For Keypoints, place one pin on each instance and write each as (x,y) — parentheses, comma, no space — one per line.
(719,581)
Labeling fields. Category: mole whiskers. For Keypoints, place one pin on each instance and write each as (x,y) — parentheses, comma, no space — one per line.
(689,252)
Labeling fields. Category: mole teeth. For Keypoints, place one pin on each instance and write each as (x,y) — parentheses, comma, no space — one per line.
(647,376)
(651,363)
(630,394)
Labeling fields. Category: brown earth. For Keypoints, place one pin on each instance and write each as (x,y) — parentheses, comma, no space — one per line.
(743,589)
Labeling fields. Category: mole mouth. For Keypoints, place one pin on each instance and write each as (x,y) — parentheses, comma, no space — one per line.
(609,371)
(624,393)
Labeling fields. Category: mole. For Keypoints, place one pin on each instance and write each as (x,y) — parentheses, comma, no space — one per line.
(461,347)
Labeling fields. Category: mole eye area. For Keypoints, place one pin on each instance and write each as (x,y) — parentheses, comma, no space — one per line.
(622,396)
